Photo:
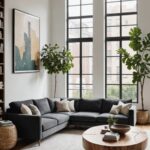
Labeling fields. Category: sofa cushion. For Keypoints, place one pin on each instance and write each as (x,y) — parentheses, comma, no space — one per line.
(61,118)
(48,123)
(25,109)
(42,105)
(84,116)
(16,105)
(90,105)
(102,118)
(52,104)
(107,105)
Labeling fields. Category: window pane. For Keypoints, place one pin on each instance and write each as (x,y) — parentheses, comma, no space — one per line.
(87,79)
(87,1)
(74,87)
(74,93)
(75,69)
(113,21)
(127,79)
(74,11)
(74,2)
(74,33)
(125,45)
(113,31)
(129,6)
(113,91)
(87,10)
(75,49)
(129,19)
(126,30)
(113,65)
(87,49)
(112,0)
(74,23)
(129,92)
(112,48)
(74,79)
(112,79)
(87,93)
(113,8)
(125,70)
(87,22)
(87,65)
(87,87)
(87,32)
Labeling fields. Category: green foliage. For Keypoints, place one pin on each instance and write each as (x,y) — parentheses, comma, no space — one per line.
(111,120)
(56,60)
(140,61)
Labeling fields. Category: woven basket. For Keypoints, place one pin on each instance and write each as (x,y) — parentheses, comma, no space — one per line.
(8,137)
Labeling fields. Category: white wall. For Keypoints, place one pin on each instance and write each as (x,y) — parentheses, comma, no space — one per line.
(26,85)
(144,24)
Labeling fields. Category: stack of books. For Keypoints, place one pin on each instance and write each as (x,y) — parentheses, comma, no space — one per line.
(111,137)
(1,85)
(5,123)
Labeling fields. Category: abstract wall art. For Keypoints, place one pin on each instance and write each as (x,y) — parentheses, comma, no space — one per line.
(26,42)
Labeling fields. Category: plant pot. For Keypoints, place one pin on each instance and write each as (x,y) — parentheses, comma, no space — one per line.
(142,116)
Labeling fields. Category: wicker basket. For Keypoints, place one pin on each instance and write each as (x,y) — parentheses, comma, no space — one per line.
(8,137)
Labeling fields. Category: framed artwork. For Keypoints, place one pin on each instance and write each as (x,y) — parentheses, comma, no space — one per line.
(26,42)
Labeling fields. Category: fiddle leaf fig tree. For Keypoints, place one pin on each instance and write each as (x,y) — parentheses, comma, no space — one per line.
(56,60)
(139,62)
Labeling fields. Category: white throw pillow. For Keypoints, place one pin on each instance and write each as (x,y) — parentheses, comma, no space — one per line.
(115,109)
(25,109)
(35,110)
(71,105)
(62,106)
(124,108)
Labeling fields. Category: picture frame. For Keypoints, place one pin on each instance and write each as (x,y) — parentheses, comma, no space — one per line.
(26,42)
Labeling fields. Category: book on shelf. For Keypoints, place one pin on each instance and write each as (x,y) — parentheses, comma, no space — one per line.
(111,137)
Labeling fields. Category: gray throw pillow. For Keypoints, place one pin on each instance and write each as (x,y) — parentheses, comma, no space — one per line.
(35,110)
(25,109)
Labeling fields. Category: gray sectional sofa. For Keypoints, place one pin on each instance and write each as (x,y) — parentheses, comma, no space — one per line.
(87,113)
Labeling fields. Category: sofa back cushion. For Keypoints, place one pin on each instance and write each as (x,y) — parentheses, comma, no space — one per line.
(43,105)
(87,105)
(107,104)
(16,105)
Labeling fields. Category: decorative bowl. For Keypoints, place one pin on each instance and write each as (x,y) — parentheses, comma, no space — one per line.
(120,128)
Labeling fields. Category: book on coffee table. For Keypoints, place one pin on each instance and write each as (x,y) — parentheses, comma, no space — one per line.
(111,136)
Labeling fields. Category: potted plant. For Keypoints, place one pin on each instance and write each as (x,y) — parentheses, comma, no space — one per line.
(56,61)
(140,64)
(111,121)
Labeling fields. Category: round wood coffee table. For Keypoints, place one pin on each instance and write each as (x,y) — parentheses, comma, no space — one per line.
(135,139)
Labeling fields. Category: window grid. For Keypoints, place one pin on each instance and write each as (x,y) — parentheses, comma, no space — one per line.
(80,39)
(120,38)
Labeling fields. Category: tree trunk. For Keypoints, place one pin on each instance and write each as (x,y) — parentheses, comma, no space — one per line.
(142,98)
(55,86)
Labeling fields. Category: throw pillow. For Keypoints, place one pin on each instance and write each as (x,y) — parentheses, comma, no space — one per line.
(35,110)
(62,106)
(115,109)
(25,109)
(124,108)
(71,105)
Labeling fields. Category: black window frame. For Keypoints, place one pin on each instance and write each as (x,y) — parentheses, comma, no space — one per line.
(119,39)
(80,41)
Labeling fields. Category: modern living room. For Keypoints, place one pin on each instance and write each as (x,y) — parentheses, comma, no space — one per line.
(74,74)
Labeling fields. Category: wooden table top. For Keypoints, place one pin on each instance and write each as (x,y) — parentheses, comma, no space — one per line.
(135,139)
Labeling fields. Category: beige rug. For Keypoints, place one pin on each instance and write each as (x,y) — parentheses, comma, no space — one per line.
(68,139)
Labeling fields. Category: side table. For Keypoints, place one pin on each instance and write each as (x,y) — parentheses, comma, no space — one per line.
(8,137)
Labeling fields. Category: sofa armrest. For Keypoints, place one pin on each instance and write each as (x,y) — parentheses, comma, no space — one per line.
(132,115)
(28,126)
